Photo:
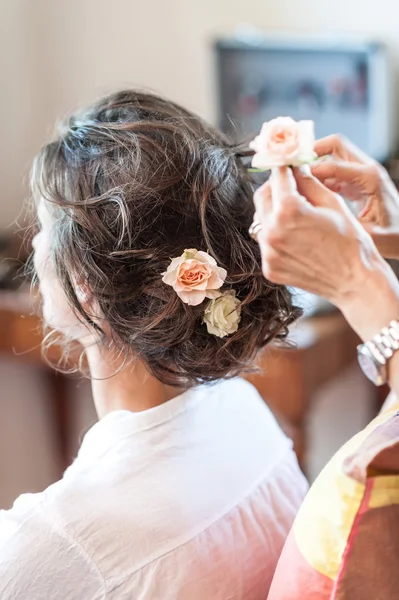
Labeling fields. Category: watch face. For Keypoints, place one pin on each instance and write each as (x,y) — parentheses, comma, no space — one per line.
(373,370)
(368,367)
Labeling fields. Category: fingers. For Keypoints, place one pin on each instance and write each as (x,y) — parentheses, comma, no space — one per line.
(282,183)
(333,169)
(332,144)
(280,188)
(341,148)
(263,202)
(284,193)
(314,191)
(365,177)
(283,188)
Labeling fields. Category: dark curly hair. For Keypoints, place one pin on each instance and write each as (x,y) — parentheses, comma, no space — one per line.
(133,181)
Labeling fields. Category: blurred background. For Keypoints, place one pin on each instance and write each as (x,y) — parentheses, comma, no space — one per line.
(236,64)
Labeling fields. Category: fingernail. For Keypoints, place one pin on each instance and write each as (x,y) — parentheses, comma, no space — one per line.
(305,171)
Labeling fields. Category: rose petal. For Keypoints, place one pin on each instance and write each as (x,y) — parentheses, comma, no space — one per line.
(215,330)
(262,161)
(307,140)
(182,286)
(216,280)
(222,273)
(192,297)
(175,263)
(205,257)
(212,294)
(169,277)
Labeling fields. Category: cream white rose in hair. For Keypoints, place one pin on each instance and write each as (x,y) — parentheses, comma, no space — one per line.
(195,276)
(222,315)
(283,142)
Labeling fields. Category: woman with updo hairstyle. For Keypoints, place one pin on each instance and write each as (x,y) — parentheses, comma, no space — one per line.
(186,488)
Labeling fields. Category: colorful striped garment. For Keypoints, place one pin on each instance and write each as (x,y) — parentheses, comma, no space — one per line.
(344,544)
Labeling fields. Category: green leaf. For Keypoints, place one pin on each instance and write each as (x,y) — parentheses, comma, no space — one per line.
(305,162)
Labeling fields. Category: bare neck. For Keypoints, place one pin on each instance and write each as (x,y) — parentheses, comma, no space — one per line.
(118,387)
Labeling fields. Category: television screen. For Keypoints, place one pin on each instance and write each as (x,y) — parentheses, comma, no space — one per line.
(343,90)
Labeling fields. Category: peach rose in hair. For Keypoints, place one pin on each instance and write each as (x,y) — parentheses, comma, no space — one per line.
(283,142)
(195,276)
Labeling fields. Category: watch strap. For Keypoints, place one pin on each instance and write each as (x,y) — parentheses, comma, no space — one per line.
(385,343)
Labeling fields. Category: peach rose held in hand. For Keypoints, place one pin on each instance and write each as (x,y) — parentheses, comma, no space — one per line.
(283,142)
(195,276)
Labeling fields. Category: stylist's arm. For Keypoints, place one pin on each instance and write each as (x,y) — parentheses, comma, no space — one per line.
(309,239)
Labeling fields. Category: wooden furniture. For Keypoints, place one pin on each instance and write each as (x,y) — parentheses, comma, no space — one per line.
(21,334)
(289,377)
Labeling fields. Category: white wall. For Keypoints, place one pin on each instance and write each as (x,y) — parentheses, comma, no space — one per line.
(374,17)
(56,54)
(377,19)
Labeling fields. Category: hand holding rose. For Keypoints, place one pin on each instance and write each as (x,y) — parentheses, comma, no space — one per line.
(309,239)
(350,172)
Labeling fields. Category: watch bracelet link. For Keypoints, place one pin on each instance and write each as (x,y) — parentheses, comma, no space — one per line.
(384,344)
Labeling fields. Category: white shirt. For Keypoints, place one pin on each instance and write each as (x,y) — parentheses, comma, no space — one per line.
(190,500)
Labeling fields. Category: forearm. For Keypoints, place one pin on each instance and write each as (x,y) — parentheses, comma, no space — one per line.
(374,306)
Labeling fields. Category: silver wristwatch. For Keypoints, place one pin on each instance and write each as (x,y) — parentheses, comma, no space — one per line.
(374,355)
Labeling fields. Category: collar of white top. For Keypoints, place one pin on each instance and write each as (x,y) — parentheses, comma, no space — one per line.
(120,424)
